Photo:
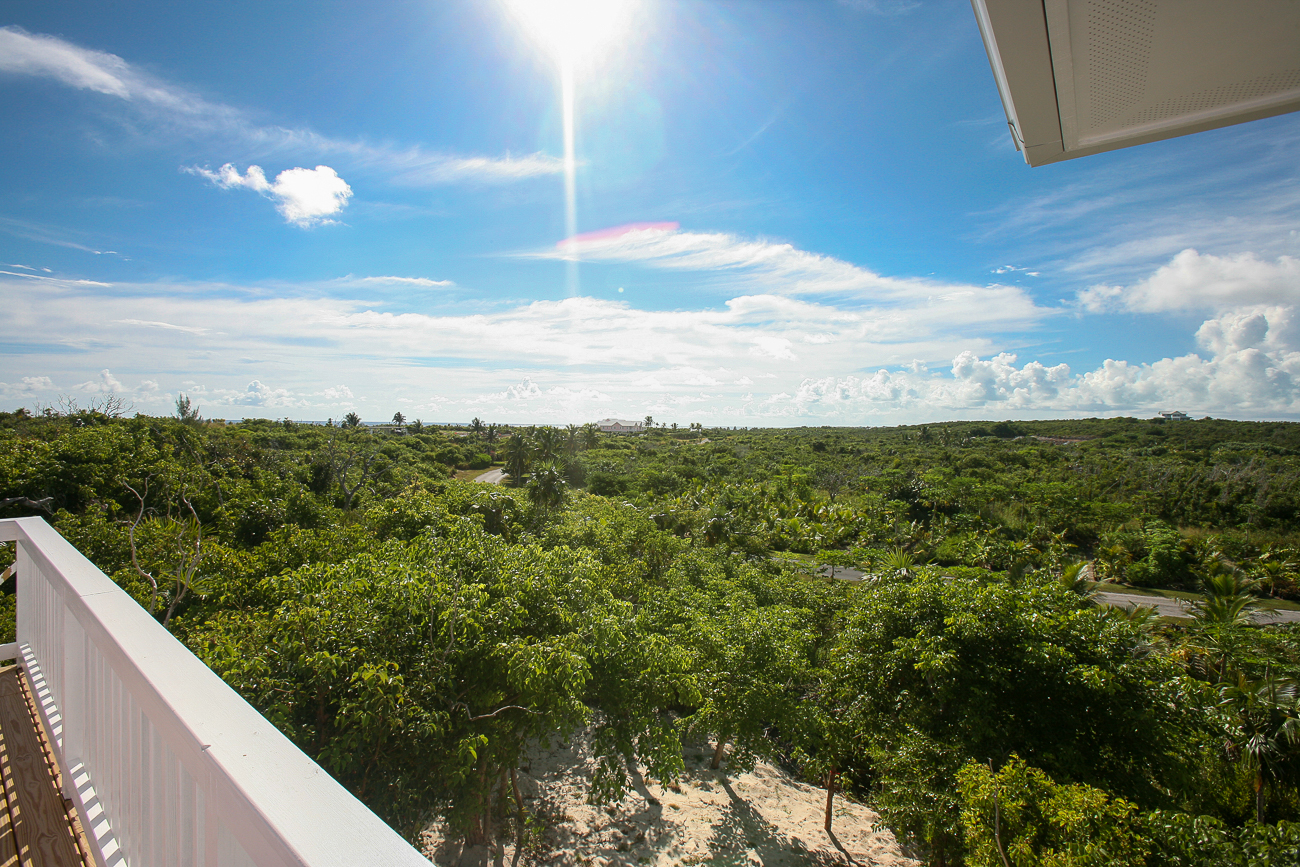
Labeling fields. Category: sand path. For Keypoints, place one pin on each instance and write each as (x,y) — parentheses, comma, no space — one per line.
(761,817)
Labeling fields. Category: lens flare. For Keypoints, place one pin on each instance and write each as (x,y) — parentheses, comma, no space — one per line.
(576,33)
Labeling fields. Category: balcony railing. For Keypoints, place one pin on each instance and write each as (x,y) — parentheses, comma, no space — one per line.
(167,766)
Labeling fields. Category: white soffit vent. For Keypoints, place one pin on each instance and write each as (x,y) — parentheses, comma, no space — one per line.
(1079,77)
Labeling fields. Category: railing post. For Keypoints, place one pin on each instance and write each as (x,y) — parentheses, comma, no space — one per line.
(23,566)
(72,702)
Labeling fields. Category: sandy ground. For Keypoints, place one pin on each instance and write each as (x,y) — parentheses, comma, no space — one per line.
(709,817)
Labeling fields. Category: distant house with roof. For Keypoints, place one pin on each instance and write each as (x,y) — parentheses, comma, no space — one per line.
(620,426)
(1175,415)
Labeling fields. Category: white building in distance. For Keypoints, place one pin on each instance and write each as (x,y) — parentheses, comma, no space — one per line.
(620,426)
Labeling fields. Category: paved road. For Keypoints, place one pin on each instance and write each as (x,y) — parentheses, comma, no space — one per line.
(1163,605)
(1166,607)
(492,477)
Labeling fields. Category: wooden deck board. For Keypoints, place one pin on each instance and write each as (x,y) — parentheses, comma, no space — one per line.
(43,830)
(8,848)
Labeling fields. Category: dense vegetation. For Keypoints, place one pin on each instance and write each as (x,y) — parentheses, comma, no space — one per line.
(414,633)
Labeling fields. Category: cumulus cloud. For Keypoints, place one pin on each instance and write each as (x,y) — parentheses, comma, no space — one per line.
(106,383)
(27,387)
(304,197)
(1201,281)
(1253,366)
(52,58)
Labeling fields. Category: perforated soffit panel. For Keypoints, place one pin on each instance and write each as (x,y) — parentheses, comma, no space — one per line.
(1079,77)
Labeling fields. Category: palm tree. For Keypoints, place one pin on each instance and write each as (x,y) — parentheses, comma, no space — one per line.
(1266,721)
(476,425)
(546,487)
(1222,620)
(352,420)
(590,436)
(900,562)
(1075,579)
(399,419)
(571,443)
(518,456)
(548,444)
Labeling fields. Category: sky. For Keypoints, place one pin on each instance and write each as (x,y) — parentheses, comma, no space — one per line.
(750,214)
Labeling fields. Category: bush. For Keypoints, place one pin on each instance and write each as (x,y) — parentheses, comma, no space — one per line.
(1039,821)
(1167,562)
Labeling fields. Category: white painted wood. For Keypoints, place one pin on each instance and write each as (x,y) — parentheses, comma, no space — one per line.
(168,765)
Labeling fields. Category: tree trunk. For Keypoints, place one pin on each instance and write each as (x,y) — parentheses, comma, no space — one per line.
(1259,796)
(519,832)
(479,832)
(831,776)
(719,751)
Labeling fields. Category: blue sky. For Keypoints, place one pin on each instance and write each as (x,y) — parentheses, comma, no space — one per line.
(785,213)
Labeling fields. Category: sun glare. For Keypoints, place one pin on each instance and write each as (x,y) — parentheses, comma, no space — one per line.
(574,31)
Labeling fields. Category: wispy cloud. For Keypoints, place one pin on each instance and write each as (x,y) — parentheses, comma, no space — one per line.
(418,282)
(60,280)
(304,197)
(782,268)
(1241,195)
(48,235)
(52,58)
(882,7)
(188,329)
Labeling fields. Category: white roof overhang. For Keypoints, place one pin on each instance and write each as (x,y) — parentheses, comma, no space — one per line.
(1079,77)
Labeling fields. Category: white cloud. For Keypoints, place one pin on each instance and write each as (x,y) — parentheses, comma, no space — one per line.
(28,387)
(54,279)
(337,393)
(1253,367)
(1200,281)
(107,383)
(304,197)
(423,282)
(46,56)
(188,329)
(38,55)
(781,268)
(574,358)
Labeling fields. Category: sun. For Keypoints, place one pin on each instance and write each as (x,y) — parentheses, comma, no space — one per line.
(574,31)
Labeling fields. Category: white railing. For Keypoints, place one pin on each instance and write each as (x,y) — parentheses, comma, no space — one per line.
(168,766)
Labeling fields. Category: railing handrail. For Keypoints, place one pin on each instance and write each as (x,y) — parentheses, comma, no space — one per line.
(281,807)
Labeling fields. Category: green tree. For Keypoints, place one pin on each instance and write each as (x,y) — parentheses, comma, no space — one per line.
(936,672)
(546,488)
(518,458)
(186,412)
(1264,728)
